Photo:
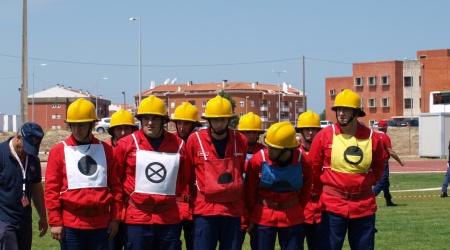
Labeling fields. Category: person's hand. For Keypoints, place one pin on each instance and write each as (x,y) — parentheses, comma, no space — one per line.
(43,226)
(113,227)
(250,228)
(57,233)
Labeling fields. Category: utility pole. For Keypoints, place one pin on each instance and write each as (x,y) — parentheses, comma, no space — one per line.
(304,90)
(24,86)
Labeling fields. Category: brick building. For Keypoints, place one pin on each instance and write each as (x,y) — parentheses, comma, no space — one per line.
(393,90)
(50,106)
(261,99)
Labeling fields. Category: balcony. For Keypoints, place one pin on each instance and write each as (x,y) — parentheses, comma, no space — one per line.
(264,119)
(285,109)
(264,107)
(284,119)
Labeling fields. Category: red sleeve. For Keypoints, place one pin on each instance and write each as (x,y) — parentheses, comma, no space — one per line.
(378,159)
(307,179)
(184,171)
(114,184)
(53,184)
(251,182)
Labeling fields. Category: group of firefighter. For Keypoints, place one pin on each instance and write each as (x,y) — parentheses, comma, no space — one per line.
(145,186)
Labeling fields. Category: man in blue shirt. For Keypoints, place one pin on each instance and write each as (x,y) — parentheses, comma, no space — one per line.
(20,181)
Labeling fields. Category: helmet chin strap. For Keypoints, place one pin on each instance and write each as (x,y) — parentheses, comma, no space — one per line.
(304,137)
(220,132)
(277,158)
(344,124)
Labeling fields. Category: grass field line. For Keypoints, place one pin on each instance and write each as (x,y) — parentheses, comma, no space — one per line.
(416,190)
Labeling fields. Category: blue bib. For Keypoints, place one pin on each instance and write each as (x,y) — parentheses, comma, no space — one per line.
(282,179)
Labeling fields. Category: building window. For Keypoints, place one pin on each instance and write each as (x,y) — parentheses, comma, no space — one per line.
(203,104)
(241,114)
(252,104)
(192,102)
(371,102)
(358,81)
(53,117)
(385,80)
(332,92)
(58,116)
(241,104)
(408,103)
(342,90)
(371,81)
(56,106)
(361,103)
(172,105)
(384,102)
(408,81)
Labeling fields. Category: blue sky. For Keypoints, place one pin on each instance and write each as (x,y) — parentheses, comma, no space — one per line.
(208,41)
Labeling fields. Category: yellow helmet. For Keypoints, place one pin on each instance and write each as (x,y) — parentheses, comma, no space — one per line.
(281,135)
(186,112)
(152,105)
(348,99)
(218,107)
(308,119)
(121,117)
(250,122)
(80,111)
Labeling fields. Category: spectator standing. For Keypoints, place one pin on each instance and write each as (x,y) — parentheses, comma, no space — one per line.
(83,193)
(20,178)
(308,125)
(217,155)
(447,176)
(277,186)
(152,167)
(347,161)
(383,184)
(186,120)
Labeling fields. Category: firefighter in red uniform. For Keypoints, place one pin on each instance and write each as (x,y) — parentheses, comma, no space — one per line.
(121,125)
(152,166)
(186,120)
(277,185)
(83,193)
(251,126)
(347,161)
(308,125)
(218,156)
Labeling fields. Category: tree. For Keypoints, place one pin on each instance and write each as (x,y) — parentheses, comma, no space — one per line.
(322,115)
(235,120)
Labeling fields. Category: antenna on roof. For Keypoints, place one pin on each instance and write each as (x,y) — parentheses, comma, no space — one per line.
(166,81)
(173,81)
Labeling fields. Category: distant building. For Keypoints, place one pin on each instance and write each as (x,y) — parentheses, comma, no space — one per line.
(271,102)
(394,90)
(50,106)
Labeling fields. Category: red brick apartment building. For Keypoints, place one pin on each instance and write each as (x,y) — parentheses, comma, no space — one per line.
(394,90)
(50,106)
(261,99)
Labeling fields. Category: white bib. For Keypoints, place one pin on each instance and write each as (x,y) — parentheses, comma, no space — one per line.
(85,166)
(156,172)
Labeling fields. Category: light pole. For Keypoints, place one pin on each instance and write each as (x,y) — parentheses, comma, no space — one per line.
(124,102)
(279,72)
(32,98)
(96,98)
(140,58)
(246,103)
(295,113)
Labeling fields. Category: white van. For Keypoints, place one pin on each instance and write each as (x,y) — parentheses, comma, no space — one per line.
(325,123)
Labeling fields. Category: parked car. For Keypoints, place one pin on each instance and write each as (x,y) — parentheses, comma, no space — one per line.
(409,122)
(325,123)
(102,125)
(392,123)
(375,125)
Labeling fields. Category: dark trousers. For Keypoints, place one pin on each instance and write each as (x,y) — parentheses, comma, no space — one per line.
(119,240)
(446,181)
(187,226)
(311,231)
(383,184)
(209,230)
(253,243)
(80,239)
(288,237)
(333,228)
(155,236)
(15,237)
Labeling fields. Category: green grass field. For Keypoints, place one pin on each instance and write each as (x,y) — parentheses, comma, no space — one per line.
(419,222)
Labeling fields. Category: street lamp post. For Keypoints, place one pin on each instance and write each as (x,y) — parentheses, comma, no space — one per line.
(295,113)
(124,101)
(96,97)
(32,98)
(246,103)
(140,57)
(279,92)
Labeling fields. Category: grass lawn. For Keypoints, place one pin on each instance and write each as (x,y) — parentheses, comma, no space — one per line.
(419,222)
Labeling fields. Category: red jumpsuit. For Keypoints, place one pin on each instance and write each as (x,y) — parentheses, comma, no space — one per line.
(312,210)
(266,215)
(125,153)
(66,206)
(236,147)
(357,184)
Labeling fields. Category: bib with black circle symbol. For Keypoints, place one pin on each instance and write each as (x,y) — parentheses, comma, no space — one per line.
(223,177)
(351,155)
(281,179)
(86,166)
(156,172)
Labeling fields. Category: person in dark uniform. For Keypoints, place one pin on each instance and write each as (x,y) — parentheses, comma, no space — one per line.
(447,176)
